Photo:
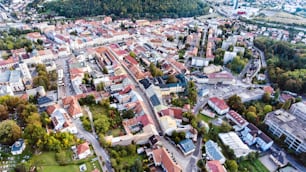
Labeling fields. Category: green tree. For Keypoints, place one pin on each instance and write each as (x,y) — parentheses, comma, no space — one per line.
(236,104)
(192,92)
(267,108)
(252,117)
(266,98)
(4,114)
(231,165)
(102,124)
(9,132)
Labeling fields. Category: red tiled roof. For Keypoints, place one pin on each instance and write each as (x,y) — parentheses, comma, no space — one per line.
(174,112)
(51,109)
(74,108)
(220,103)
(214,166)
(161,156)
(145,119)
(237,117)
(82,148)
(131,60)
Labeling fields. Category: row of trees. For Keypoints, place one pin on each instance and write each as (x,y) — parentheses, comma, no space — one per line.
(127,8)
(286,63)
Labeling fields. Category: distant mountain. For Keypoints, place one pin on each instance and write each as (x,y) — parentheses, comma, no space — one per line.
(127,8)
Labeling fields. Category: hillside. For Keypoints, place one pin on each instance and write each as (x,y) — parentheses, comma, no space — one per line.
(127,8)
(286,64)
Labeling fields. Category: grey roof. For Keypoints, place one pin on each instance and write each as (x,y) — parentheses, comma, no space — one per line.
(5,76)
(15,76)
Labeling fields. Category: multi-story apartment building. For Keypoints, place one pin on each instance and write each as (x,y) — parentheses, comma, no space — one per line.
(299,110)
(281,122)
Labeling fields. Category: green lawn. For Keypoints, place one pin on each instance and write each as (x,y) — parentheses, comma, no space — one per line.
(72,168)
(97,109)
(204,117)
(253,166)
(47,163)
(115,132)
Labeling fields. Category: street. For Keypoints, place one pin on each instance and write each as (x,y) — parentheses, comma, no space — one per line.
(100,152)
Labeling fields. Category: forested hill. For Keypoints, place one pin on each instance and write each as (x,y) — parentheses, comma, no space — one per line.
(127,8)
(286,64)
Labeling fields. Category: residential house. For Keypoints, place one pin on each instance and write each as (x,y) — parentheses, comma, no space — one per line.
(60,119)
(251,135)
(163,159)
(237,119)
(83,150)
(219,105)
(186,146)
(214,166)
(73,106)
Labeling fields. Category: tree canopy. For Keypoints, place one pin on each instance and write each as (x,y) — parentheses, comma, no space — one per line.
(286,64)
(127,8)
(9,132)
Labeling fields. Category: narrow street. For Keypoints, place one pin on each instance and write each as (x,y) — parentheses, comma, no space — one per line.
(100,152)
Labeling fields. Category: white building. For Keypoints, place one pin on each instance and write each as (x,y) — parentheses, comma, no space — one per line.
(83,150)
(219,105)
(299,110)
(13,79)
(234,142)
(281,122)
(228,56)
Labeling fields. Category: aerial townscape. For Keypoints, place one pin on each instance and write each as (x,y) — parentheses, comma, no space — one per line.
(152,85)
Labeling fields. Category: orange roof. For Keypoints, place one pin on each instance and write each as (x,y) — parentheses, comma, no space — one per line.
(74,108)
(215,166)
(67,100)
(51,109)
(161,156)
(82,148)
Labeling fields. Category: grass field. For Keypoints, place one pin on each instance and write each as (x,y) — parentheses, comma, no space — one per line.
(204,118)
(47,163)
(253,166)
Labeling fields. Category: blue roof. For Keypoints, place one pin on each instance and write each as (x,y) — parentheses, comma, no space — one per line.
(187,145)
(213,151)
(43,100)
(155,101)
(17,145)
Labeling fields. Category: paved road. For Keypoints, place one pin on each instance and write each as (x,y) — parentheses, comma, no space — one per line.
(192,165)
(291,160)
(100,152)
(200,105)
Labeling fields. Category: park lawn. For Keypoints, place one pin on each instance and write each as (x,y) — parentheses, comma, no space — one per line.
(97,109)
(47,163)
(253,166)
(72,168)
(45,158)
(204,118)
